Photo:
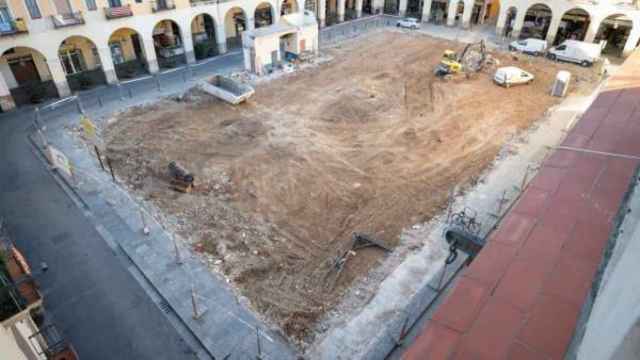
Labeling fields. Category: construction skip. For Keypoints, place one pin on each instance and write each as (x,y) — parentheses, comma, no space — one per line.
(268,47)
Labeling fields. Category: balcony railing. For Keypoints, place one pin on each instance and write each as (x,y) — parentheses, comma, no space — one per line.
(13,27)
(207,2)
(162,5)
(117,12)
(64,20)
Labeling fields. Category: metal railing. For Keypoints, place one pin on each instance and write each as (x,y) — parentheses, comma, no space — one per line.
(115,12)
(195,3)
(13,27)
(162,5)
(64,20)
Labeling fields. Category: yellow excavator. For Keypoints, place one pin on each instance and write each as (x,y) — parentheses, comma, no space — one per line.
(469,60)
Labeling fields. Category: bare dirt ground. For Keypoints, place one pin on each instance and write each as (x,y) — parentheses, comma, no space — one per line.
(370,142)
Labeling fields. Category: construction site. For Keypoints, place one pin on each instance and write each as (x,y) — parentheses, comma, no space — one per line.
(304,188)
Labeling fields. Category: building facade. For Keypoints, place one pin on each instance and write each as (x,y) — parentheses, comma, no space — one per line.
(54,48)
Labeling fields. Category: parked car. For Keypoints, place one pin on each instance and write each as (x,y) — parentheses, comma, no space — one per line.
(531,46)
(409,23)
(511,75)
(578,52)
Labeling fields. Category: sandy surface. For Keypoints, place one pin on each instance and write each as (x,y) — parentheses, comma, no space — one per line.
(370,142)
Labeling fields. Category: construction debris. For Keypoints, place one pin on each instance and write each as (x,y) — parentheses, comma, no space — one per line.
(181,179)
(227,89)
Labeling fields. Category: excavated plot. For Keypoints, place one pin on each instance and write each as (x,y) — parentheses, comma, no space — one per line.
(370,142)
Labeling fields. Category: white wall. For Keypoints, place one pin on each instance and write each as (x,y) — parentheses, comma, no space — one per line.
(612,329)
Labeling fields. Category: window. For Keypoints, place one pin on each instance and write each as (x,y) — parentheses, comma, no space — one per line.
(72,62)
(115,3)
(32,6)
(91,5)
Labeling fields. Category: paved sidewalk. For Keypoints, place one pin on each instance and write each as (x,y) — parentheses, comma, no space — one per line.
(225,327)
(524,294)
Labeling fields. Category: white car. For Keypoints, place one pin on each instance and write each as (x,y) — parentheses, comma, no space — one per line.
(409,23)
(511,75)
(531,46)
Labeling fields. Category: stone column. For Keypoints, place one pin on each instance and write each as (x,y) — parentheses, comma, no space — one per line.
(107,65)
(187,45)
(466,14)
(59,77)
(6,100)
(630,45)
(378,6)
(359,8)
(517,27)
(341,10)
(451,12)
(553,30)
(592,31)
(150,55)
(426,10)
(502,22)
(251,23)
(483,12)
(402,8)
(322,13)
(221,39)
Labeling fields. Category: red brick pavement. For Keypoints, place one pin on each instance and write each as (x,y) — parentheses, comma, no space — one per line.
(521,297)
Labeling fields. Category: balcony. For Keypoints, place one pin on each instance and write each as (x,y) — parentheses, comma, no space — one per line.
(207,2)
(13,27)
(162,5)
(116,12)
(64,20)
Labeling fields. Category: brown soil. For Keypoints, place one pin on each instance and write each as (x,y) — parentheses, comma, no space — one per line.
(370,142)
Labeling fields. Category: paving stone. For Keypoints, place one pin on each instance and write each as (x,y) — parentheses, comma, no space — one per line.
(548,179)
(550,325)
(467,297)
(533,202)
(519,351)
(437,341)
(514,228)
(492,333)
(561,158)
(522,283)
(492,262)
(544,243)
(605,99)
(587,241)
(571,279)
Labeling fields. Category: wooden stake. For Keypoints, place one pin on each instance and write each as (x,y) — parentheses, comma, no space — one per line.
(113,177)
(95,147)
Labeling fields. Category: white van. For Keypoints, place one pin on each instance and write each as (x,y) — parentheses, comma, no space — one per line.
(531,46)
(511,75)
(579,52)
